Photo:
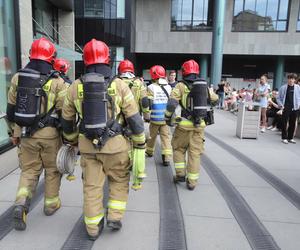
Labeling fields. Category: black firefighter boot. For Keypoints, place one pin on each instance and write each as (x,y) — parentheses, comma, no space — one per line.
(19,217)
(166,162)
(114,225)
(189,185)
(94,235)
(179,179)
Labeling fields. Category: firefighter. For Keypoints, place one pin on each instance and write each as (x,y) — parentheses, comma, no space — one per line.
(62,66)
(35,100)
(102,105)
(158,94)
(191,94)
(138,89)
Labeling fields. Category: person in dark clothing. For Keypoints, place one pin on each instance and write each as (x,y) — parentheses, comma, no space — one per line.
(172,79)
(289,101)
(221,94)
(273,112)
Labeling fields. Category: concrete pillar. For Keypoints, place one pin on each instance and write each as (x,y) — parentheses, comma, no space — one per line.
(218,38)
(279,72)
(66,29)
(26,30)
(203,66)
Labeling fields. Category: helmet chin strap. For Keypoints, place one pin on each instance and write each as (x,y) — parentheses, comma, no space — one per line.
(128,75)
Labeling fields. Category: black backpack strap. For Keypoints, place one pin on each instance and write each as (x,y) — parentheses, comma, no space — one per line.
(165,91)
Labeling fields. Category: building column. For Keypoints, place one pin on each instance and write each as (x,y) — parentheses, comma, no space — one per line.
(279,72)
(203,66)
(218,38)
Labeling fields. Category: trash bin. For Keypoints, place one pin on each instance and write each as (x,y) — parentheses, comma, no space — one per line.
(248,121)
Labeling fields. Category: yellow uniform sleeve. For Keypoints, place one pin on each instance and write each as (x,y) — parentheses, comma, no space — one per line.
(130,110)
(61,92)
(12,92)
(70,133)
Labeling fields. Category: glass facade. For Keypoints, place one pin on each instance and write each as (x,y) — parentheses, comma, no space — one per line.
(8,59)
(192,15)
(45,20)
(298,22)
(116,56)
(260,15)
(105,9)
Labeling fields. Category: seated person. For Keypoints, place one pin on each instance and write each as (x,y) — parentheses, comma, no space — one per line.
(273,111)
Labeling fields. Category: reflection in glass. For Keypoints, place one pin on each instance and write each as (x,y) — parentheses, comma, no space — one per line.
(8,59)
(298,23)
(191,14)
(260,15)
(108,9)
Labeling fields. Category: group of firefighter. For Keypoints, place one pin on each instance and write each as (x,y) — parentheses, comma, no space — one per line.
(104,117)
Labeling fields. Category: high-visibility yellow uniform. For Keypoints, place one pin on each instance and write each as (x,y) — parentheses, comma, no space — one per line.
(38,152)
(112,160)
(187,138)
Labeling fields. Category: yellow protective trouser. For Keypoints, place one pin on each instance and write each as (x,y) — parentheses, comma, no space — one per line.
(165,138)
(36,155)
(191,142)
(95,168)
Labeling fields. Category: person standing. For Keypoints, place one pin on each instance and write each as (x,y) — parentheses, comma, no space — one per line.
(288,100)
(221,94)
(102,103)
(192,95)
(158,93)
(261,96)
(172,79)
(137,87)
(35,100)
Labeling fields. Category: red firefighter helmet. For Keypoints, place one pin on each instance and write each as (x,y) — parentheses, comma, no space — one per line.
(190,67)
(61,65)
(157,71)
(126,66)
(95,52)
(43,49)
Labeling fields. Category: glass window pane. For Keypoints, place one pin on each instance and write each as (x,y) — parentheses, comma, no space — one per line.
(283,9)
(281,25)
(272,9)
(250,5)
(261,7)
(186,9)
(189,14)
(176,9)
(199,10)
(120,8)
(238,6)
(298,26)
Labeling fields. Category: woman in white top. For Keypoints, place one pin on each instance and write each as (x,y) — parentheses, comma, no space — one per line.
(261,94)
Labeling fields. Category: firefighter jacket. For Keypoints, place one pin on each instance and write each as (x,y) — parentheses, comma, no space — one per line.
(139,92)
(179,96)
(158,95)
(55,89)
(125,111)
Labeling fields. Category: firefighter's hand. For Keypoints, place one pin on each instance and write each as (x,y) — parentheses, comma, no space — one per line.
(71,143)
(169,121)
(15,140)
